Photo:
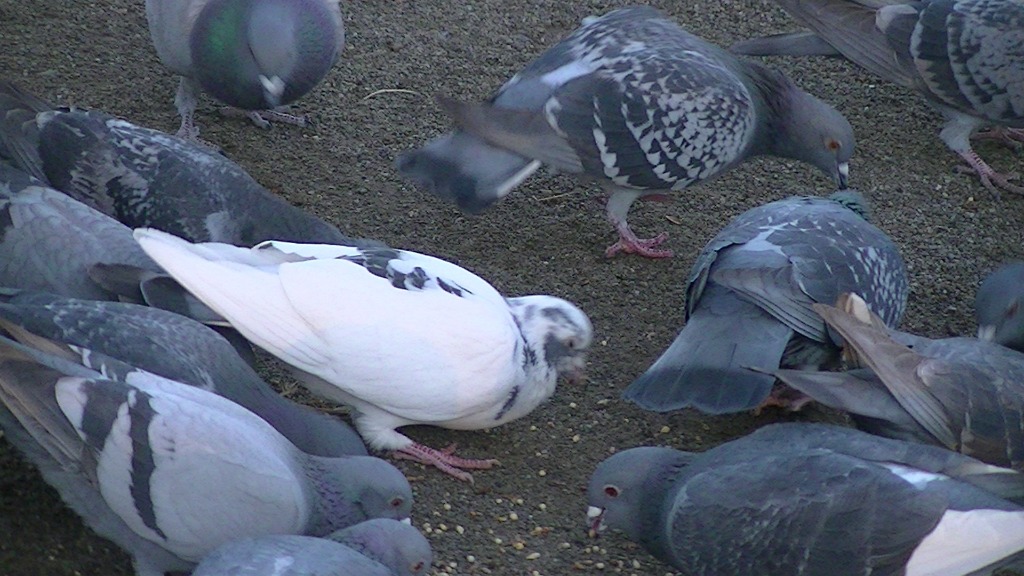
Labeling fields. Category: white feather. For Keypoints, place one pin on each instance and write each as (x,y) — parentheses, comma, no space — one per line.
(964,542)
(401,356)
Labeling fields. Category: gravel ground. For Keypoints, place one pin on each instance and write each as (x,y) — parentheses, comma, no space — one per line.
(526,517)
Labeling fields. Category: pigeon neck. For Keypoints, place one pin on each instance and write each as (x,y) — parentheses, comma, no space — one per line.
(333,507)
(659,488)
(773,93)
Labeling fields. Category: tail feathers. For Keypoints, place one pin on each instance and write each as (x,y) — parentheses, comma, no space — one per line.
(158,290)
(19,131)
(790,44)
(465,170)
(707,366)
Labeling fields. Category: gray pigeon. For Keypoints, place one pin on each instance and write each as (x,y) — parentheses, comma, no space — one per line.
(176,348)
(53,243)
(963,394)
(49,241)
(811,499)
(750,296)
(170,472)
(379,547)
(998,306)
(143,177)
(403,338)
(966,57)
(639,104)
(255,55)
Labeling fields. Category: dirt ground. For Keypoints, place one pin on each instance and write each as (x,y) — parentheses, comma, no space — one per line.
(526,517)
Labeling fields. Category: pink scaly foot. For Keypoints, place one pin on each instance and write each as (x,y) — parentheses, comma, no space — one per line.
(444,460)
(1009,137)
(990,178)
(630,244)
(264,118)
(786,398)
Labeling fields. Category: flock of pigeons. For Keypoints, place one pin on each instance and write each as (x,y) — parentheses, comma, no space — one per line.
(138,269)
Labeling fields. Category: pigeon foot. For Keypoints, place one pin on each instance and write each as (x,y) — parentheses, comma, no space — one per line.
(1009,137)
(991,179)
(264,118)
(786,398)
(630,244)
(444,460)
(189,131)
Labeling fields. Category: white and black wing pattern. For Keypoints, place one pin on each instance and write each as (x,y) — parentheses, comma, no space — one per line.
(967,54)
(401,268)
(330,316)
(642,102)
(966,57)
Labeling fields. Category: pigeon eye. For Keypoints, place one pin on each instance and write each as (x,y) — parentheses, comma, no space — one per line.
(417,567)
(571,343)
(611,491)
(833,145)
(397,502)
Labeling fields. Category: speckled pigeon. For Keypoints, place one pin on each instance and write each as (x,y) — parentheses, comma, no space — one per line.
(53,243)
(750,297)
(966,57)
(401,337)
(812,499)
(961,393)
(379,547)
(174,347)
(255,55)
(998,306)
(49,241)
(143,177)
(170,472)
(635,102)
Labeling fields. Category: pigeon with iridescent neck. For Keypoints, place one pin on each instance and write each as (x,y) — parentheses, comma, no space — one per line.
(254,55)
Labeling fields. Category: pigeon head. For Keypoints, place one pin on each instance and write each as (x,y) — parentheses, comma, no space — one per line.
(998,307)
(397,545)
(805,128)
(358,488)
(261,55)
(623,489)
(560,332)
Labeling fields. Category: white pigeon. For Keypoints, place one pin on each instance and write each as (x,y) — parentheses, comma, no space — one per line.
(401,337)
(254,55)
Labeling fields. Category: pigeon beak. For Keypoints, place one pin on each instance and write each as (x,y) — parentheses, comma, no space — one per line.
(273,90)
(577,373)
(987,332)
(595,520)
(406,520)
(842,175)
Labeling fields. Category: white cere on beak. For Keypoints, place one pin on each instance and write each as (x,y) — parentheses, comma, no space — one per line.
(274,87)
(987,332)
